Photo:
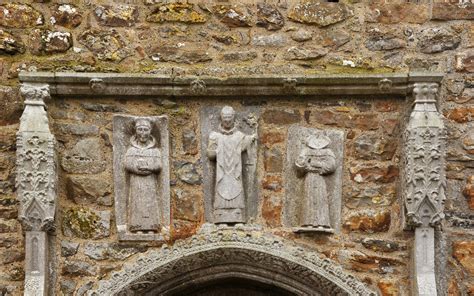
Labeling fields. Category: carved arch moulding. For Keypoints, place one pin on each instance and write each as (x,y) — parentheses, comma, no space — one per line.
(167,268)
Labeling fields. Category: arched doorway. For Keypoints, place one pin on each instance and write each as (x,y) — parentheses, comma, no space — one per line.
(231,262)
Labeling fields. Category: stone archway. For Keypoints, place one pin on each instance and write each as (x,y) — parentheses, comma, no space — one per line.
(217,259)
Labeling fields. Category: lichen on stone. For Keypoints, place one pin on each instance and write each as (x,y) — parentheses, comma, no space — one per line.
(176,12)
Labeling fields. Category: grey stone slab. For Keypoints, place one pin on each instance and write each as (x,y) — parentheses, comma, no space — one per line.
(245,122)
(141,178)
(36,263)
(293,210)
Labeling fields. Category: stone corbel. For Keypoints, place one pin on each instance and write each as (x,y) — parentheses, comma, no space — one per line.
(424,182)
(36,185)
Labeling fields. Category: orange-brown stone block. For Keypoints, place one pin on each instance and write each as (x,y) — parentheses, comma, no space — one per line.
(369,221)
(386,13)
(271,210)
(453,11)
(469,192)
(463,251)
(461,115)
(388,287)
(376,173)
(273,183)
(272,137)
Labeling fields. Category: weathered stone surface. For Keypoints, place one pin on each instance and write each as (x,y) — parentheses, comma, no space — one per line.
(281,117)
(85,223)
(66,15)
(111,251)
(271,210)
(69,248)
(380,245)
(273,160)
(234,15)
(49,42)
(463,251)
(272,137)
(187,205)
(358,261)
(8,213)
(329,117)
(179,55)
(453,11)
(239,56)
(435,40)
(116,16)
(460,115)
(372,146)
(10,44)
(395,13)
(269,17)
(98,107)
(389,287)
(84,288)
(335,38)
(465,61)
(304,54)
(302,35)
(67,287)
(190,144)
(89,189)
(78,268)
(272,183)
(374,173)
(76,129)
(108,45)
(379,41)
(368,221)
(469,192)
(16,15)
(8,241)
(8,226)
(273,40)
(176,12)
(11,256)
(86,157)
(187,172)
(319,12)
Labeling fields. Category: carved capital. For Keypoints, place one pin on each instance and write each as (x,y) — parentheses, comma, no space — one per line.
(424,164)
(36,162)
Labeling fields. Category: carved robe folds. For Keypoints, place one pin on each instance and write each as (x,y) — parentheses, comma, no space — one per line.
(226,148)
(315,161)
(143,163)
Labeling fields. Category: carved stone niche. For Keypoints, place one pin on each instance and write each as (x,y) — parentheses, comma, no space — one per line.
(141,177)
(229,158)
(313,174)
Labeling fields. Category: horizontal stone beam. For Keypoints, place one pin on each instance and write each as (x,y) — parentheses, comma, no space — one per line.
(123,85)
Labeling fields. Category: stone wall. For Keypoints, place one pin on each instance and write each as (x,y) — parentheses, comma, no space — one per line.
(248,38)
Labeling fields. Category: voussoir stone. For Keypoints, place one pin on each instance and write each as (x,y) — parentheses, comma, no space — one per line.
(319,12)
(66,15)
(49,42)
(269,17)
(15,15)
(436,40)
(108,45)
(176,12)
(234,15)
(117,15)
(10,44)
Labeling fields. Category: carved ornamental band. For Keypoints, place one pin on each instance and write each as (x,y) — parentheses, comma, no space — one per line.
(425,179)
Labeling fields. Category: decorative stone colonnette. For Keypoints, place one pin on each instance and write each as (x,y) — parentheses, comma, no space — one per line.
(423,186)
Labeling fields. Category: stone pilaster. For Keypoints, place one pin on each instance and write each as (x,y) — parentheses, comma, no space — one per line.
(424,182)
(36,185)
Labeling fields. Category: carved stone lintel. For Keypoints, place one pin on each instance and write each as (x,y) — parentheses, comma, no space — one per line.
(36,162)
(424,164)
(141,174)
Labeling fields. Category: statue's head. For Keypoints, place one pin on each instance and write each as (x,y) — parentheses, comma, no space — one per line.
(227,117)
(317,141)
(142,130)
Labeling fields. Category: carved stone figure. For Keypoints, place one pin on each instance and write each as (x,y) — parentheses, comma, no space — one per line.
(141,177)
(314,161)
(313,180)
(225,147)
(143,162)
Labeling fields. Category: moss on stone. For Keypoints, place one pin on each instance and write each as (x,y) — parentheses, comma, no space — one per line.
(176,12)
(81,222)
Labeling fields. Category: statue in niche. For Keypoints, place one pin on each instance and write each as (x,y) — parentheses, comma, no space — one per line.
(314,162)
(143,163)
(225,147)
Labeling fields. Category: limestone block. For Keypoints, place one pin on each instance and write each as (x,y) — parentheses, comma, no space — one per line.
(141,177)
(302,203)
